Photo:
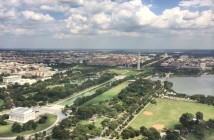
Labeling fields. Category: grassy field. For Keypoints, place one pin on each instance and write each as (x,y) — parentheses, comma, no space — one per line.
(108,94)
(167,112)
(86,93)
(85,67)
(124,71)
(97,123)
(1,102)
(5,131)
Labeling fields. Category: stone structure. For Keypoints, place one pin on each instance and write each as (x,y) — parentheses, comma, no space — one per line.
(138,62)
(21,114)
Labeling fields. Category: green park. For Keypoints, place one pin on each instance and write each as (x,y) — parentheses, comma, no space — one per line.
(108,94)
(166,113)
(5,130)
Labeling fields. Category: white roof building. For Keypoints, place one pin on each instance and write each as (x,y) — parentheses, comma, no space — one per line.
(10,79)
(21,114)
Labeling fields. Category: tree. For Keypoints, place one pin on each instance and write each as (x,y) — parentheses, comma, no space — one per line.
(153,134)
(48,138)
(20,138)
(186,120)
(59,133)
(105,123)
(144,131)
(16,128)
(199,115)
(125,135)
(30,125)
(172,135)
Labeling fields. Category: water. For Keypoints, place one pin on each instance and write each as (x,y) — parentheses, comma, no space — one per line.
(192,85)
(87,93)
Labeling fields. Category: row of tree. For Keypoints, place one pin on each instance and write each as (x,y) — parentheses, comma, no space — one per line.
(190,124)
(84,99)
(30,125)
(29,95)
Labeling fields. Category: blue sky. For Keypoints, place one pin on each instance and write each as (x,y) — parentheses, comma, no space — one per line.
(107,24)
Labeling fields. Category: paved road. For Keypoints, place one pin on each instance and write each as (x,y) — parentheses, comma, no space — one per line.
(51,110)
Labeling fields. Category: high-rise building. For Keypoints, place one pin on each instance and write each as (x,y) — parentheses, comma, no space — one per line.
(138,62)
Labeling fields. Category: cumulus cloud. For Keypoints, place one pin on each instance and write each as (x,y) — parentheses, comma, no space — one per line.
(30,15)
(55,8)
(106,17)
(73,2)
(184,19)
(5,14)
(196,3)
(124,17)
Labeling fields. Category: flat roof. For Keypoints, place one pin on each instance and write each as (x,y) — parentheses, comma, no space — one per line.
(21,109)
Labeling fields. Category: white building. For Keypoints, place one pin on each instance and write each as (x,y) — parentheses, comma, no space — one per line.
(203,66)
(21,114)
(10,79)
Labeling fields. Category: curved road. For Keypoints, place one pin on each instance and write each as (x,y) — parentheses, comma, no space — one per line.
(50,110)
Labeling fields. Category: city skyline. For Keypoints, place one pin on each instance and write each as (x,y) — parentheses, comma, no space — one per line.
(107,24)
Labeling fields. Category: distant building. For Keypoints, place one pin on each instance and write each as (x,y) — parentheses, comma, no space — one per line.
(21,114)
(203,66)
(10,79)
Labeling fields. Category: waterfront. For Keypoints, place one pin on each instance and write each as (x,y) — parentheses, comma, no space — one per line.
(192,85)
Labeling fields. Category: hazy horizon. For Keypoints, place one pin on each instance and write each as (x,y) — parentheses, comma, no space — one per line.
(106,24)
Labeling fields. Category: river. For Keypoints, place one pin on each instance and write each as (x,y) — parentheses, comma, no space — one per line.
(192,85)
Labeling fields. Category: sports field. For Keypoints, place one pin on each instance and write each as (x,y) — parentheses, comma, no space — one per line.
(108,94)
(167,112)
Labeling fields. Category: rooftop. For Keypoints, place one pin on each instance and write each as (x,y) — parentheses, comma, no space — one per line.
(21,109)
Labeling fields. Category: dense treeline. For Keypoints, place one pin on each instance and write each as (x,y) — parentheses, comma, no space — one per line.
(150,134)
(128,102)
(190,124)
(27,95)
(7,102)
(203,99)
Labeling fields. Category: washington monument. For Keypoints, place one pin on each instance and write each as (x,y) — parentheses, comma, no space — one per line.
(138,62)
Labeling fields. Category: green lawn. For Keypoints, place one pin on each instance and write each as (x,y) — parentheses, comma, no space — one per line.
(1,102)
(167,113)
(85,67)
(5,131)
(86,93)
(124,71)
(108,94)
(97,123)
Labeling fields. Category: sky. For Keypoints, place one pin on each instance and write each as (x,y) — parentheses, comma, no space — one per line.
(107,24)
